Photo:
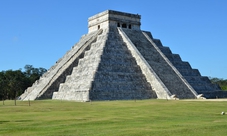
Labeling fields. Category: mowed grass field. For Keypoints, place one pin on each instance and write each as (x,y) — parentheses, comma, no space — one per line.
(116,118)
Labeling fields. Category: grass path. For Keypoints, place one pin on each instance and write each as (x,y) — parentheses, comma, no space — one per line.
(117,118)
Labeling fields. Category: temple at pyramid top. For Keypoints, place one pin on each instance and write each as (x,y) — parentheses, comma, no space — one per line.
(111,18)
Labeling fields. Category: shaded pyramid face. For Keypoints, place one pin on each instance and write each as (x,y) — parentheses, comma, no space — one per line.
(118,61)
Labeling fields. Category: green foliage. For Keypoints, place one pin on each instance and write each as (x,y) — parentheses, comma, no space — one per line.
(221,82)
(13,83)
(114,118)
(33,73)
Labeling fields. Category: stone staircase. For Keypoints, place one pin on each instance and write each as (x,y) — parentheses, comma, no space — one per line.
(107,72)
(118,76)
(77,85)
(168,75)
(49,82)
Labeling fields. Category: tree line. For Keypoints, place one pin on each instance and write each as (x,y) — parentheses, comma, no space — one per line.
(221,82)
(14,82)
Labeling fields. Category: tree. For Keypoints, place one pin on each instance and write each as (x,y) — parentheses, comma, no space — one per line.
(13,83)
(32,73)
(2,86)
(221,82)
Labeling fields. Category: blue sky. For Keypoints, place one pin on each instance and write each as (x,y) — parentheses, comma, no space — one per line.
(40,32)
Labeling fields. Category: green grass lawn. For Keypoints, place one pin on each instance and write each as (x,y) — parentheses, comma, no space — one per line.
(119,118)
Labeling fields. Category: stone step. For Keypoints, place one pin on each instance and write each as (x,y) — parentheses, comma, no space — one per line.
(202,87)
(173,57)
(84,70)
(149,34)
(86,61)
(72,86)
(116,52)
(165,50)
(181,65)
(119,76)
(81,68)
(119,85)
(158,42)
(81,95)
(153,58)
(197,79)
(121,94)
(79,78)
(115,43)
(105,67)
(189,72)
(118,60)
(90,58)
(115,46)
(94,52)
(96,45)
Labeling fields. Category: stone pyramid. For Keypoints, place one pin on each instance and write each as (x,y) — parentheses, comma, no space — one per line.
(116,60)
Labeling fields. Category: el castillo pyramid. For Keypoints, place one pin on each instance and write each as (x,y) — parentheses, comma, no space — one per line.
(116,60)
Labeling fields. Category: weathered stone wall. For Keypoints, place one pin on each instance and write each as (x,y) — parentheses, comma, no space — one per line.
(168,75)
(49,82)
(77,85)
(201,84)
(110,18)
(161,90)
(118,76)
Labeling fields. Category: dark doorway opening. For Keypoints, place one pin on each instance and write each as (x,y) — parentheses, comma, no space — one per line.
(124,26)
